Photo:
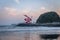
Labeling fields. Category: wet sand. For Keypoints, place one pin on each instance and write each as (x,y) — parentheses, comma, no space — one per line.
(20,36)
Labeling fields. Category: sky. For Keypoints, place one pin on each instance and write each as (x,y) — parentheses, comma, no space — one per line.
(13,11)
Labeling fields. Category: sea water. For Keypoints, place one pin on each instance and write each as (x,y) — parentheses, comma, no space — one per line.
(26,33)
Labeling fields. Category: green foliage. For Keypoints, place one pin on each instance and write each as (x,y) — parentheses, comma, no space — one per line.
(48,17)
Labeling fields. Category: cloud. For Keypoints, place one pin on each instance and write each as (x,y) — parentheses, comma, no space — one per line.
(58,11)
(17,1)
(20,13)
(11,11)
(12,15)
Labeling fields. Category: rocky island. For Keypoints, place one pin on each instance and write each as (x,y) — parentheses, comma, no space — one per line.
(45,19)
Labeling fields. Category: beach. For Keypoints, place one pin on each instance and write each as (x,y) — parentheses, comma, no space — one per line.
(26,33)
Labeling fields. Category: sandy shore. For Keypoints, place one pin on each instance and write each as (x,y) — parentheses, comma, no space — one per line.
(20,36)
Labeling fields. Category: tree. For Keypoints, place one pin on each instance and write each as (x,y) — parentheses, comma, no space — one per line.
(48,17)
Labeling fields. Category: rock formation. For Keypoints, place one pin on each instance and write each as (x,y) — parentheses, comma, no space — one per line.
(48,17)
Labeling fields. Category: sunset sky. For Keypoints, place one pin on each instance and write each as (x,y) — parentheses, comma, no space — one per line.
(13,11)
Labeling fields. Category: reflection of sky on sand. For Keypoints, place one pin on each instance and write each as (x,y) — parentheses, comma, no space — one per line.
(25,33)
(20,36)
(12,36)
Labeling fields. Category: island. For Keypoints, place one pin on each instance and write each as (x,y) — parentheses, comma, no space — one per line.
(48,19)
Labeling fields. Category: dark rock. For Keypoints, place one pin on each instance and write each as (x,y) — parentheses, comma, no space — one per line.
(41,25)
(48,17)
(25,24)
(50,36)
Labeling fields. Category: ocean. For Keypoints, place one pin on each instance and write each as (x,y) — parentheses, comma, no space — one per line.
(26,33)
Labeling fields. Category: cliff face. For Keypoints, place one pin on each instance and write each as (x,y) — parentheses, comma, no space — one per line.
(48,17)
